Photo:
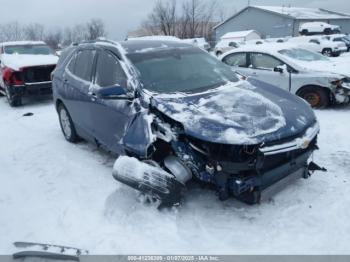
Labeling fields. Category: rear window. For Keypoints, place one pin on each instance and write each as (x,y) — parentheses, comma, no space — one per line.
(83,64)
(239,59)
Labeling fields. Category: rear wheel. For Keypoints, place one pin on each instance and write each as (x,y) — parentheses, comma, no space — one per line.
(317,97)
(66,124)
(304,32)
(13,101)
(327,31)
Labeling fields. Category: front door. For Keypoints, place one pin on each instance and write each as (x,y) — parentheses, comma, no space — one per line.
(110,118)
(262,67)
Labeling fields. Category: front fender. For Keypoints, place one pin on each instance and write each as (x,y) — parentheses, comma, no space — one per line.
(139,136)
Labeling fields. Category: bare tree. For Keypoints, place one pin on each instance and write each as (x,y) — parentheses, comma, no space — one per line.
(195,18)
(54,38)
(95,29)
(12,32)
(34,32)
(163,17)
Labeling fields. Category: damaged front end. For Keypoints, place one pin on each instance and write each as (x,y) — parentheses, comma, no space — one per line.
(171,158)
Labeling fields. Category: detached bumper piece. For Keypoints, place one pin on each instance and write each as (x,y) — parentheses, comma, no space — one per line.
(149,178)
(29,249)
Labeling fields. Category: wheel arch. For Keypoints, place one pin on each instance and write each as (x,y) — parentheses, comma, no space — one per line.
(58,103)
(326,89)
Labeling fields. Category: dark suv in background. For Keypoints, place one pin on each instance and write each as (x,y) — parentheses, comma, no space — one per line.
(172,112)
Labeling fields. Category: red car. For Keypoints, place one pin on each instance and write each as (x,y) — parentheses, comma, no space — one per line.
(25,69)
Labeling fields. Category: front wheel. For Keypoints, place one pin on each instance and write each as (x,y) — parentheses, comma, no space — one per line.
(14,101)
(67,125)
(315,96)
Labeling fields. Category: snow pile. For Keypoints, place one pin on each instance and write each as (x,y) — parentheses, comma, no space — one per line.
(241,113)
(55,192)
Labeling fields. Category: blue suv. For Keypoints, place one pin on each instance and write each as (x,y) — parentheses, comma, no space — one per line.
(174,113)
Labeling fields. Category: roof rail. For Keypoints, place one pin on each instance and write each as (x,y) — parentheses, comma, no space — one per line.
(93,41)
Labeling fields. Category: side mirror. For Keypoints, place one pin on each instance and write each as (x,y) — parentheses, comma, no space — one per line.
(278,69)
(116,92)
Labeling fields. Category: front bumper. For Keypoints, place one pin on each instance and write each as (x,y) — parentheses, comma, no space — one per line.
(29,89)
(248,180)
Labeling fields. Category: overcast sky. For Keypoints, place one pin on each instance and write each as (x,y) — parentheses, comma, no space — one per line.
(121,16)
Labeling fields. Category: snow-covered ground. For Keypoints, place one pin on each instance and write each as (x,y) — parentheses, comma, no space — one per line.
(55,192)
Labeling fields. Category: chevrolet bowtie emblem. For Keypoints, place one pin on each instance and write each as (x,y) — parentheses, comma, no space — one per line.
(305,144)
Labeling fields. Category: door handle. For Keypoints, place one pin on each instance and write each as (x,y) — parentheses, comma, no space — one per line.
(92,95)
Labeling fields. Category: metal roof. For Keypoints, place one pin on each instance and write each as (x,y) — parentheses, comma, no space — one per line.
(300,13)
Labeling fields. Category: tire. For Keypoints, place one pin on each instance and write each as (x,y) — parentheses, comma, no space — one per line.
(304,32)
(317,97)
(327,31)
(327,52)
(66,123)
(13,101)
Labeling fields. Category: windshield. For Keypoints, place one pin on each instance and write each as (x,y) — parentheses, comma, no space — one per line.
(28,50)
(181,70)
(303,55)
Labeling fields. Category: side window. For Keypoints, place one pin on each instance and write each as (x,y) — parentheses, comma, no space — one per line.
(239,59)
(83,64)
(109,71)
(71,64)
(314,41)
(262,61)
(233,44)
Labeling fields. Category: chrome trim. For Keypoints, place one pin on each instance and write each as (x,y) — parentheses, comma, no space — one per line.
(38,83)
(298,143)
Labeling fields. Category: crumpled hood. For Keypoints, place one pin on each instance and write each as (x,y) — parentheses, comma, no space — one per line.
(16,61)
(246,112)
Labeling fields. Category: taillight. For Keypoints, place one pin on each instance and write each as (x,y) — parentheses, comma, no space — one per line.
(12,77)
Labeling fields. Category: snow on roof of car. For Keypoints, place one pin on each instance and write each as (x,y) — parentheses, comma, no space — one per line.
(265,48)
(23,43)
(304,13)
(238,34)
(155,37)
(143,46)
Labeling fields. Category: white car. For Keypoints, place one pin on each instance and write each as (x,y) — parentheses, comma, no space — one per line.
(340,38)
(285,66)
(225,45)
(319,44)
(318,28)
(25,69)
(199,42)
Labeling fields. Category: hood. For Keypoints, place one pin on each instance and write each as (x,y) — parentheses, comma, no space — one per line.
(330,67)
(16,62)
(245,112)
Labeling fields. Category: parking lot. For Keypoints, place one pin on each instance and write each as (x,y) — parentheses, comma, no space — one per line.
(56,192)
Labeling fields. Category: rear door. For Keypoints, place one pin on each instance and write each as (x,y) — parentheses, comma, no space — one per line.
(77,84)
(110,117)
(239,62)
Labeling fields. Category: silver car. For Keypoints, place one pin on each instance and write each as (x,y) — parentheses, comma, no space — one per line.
(300,71)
